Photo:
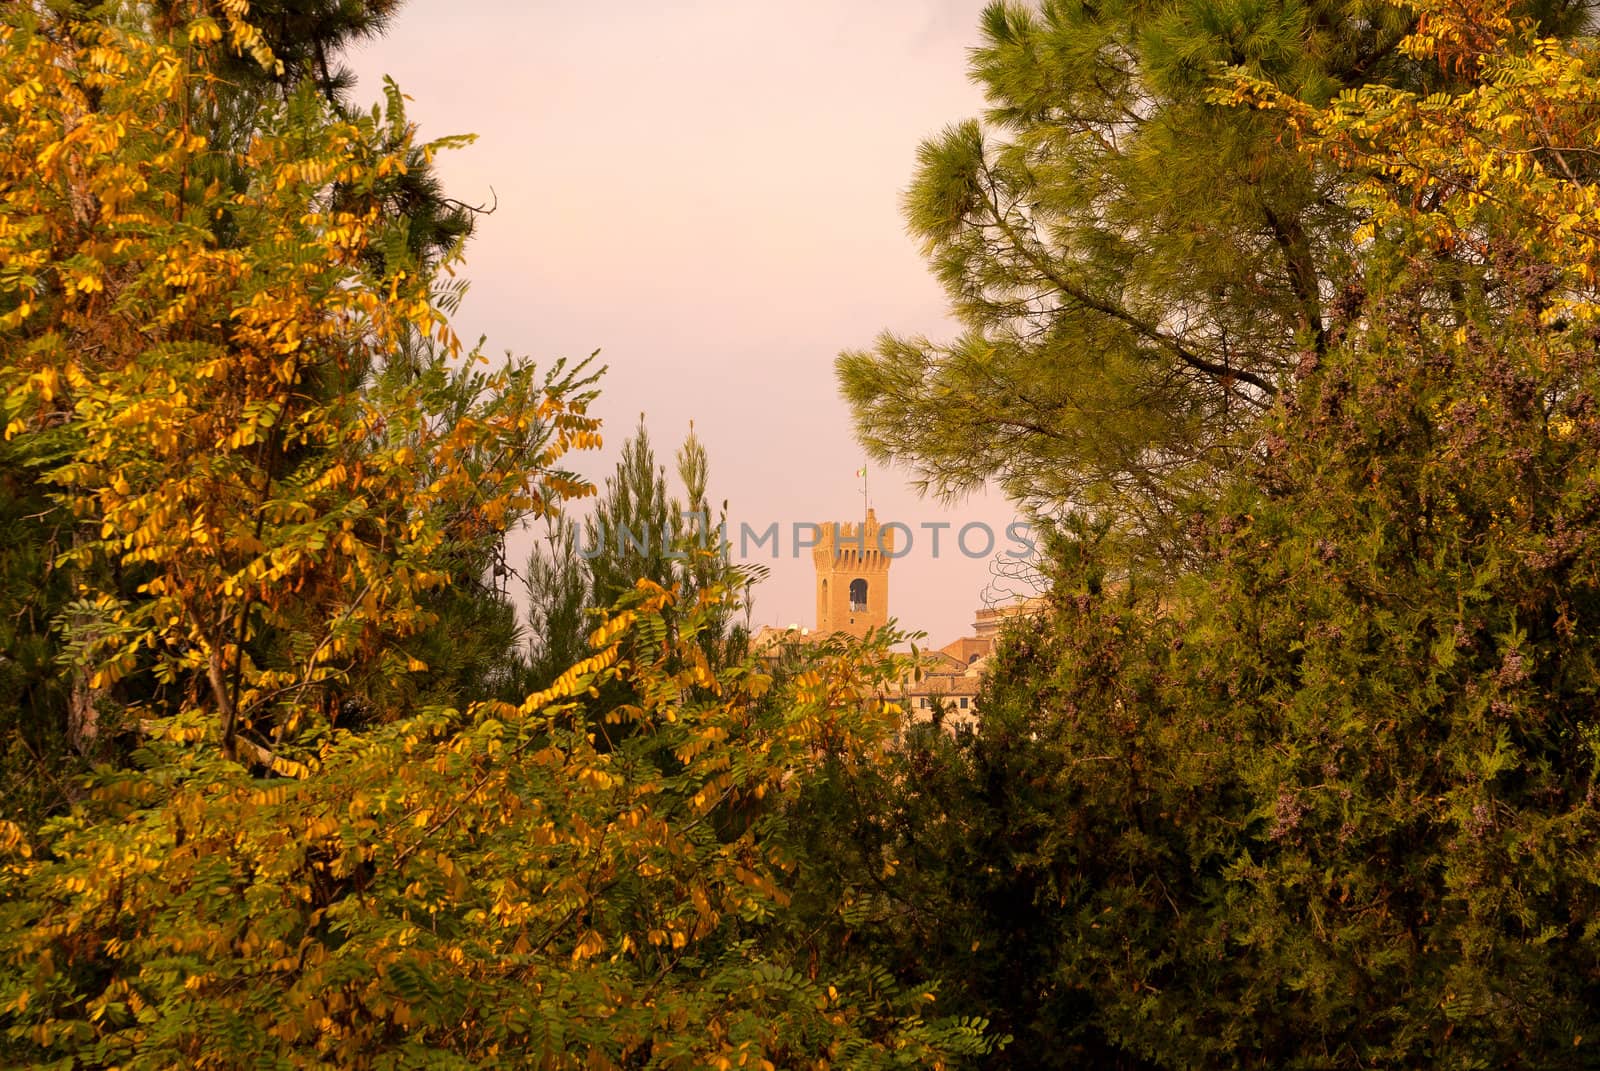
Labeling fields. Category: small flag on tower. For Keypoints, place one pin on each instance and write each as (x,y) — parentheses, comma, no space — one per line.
(862,473)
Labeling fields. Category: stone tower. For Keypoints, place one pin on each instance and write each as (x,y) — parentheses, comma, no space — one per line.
(853,576)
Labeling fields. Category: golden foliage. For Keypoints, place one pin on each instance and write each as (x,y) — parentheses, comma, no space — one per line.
(1508,152)
(242,411)
(504,885)
(272,442)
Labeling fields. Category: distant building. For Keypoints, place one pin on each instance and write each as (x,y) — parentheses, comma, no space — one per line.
(969,650)
(945,691)
(852,563)
(770,642)
(952,676)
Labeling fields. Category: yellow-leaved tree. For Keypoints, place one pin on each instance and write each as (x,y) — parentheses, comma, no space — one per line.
(227,394)
(220,362)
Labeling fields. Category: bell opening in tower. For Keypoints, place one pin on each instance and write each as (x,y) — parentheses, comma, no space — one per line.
(858,595)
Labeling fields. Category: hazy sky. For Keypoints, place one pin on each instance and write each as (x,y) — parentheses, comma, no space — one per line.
(708,193)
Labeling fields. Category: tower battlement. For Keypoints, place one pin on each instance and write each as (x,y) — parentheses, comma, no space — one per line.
(868,544)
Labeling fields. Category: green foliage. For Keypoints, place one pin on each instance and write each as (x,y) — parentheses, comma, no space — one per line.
(36,766)
(636,531)
(300,44)
(1336,805)
(629,534)
(1136,267)
(1327,798)
(558,602)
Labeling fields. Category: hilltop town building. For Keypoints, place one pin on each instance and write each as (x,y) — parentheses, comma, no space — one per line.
(852,564)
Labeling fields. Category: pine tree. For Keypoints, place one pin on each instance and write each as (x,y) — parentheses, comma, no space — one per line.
(636,532)
(1137,267)
(558,603)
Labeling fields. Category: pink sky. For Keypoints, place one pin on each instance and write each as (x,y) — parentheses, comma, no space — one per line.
(708,192)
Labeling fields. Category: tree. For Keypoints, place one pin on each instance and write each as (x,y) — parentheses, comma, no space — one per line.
(34,694)
(637,531)
(630,533)
(1328,799)
(300,43)
(272,476)
(483,889)
(558,603)
(945,858)
(1137,267)
(284,48)
(215,418)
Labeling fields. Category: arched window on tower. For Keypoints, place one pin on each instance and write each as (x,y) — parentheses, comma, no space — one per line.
(858,596)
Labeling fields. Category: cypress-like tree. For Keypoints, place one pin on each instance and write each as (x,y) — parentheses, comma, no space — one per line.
(637,531)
